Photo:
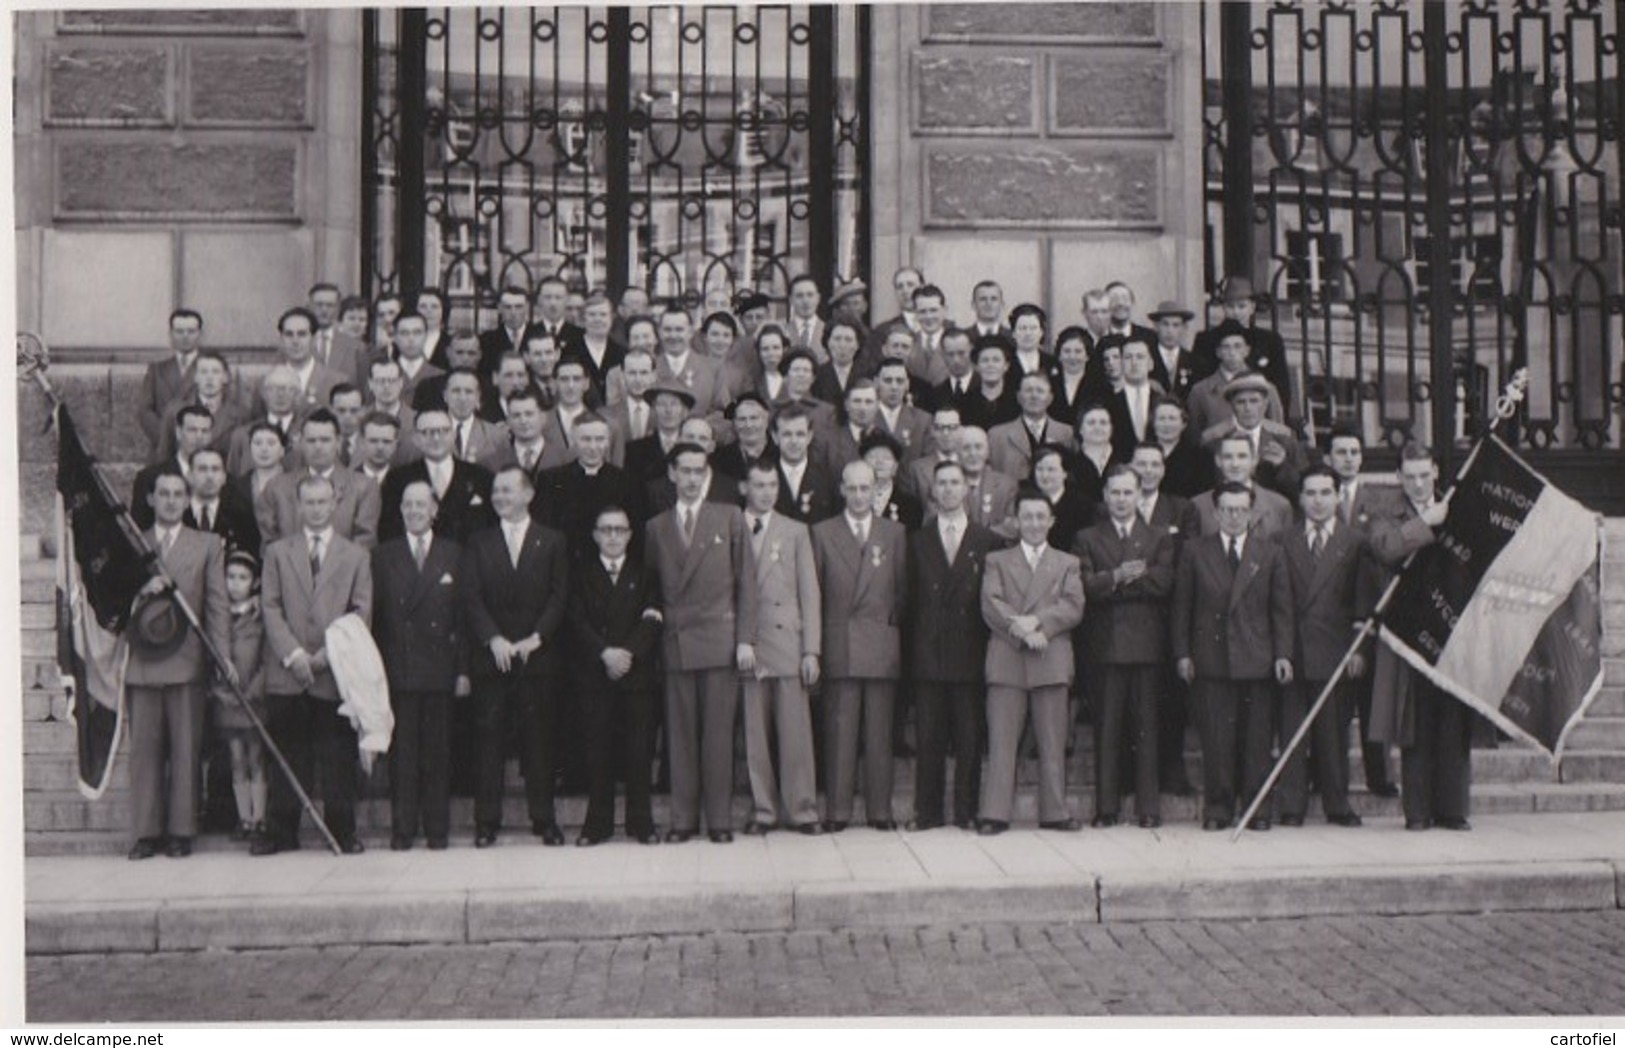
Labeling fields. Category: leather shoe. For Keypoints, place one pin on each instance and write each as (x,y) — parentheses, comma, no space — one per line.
(1292,820)
(438,844)
(588,840)
(484,838)
(991,828)
(178,847)
(1383,789)
(722,837)
(1417,825)
(1346,819)
(758,829)
(883,825)
(810,829)
(1103,822)
(1150,822)
(145,848)
(965,824)
(400,842)
(1259,824)
(352,846)
(1062,825)
(1453,824)
(649,837)
(549,832)
(679,836)
(834,826)
(1214,825)
(921,825)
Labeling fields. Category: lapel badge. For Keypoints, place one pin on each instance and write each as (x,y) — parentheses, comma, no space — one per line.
(875,556)
(902,435)
(446,579)
(987,503)
(773,552)
(806,502)
(716,540)
(1263,362)
(688,377)
(891,511)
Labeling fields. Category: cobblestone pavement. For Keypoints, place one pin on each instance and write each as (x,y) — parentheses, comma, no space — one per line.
(1495,965)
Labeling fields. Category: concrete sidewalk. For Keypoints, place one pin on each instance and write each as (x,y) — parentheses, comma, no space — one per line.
(522,891)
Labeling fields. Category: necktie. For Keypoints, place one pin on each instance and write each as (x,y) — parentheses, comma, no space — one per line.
(1345,504)
(860,531)
(636,411)
(1317,542)
(806,332)
(166,542)
(614,573)
(462,441)
(206,520)
(688,525)
(513,546)
(1235,553)
(756,526)
(950,541)
(1122,532)
(418,552)
(1033,558)
(527,459)
(315,555)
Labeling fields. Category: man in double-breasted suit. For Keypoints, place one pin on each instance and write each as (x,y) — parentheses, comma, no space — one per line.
(515,589)
(1032,600)
(789,643)
(862,578)
(701,552)
(356,504)
(1324,560)
(167,684)
(1128,576)
(615,618)
(417,624)
(947,650)
(1231,634)
(462,490)
(313,576)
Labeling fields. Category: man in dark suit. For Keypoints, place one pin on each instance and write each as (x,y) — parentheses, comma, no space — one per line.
(701,553)
(1232,636)
(166,684)
(669,405)
(166,380)
(552,314)
(807,488)
(513,326)
(417,591)
(1171,365)
(1432,728)
(462,354)
(1128,575)
(597,349)
(862,577)
(946,651)
(313,576)
(615,618)
(218,508)
(752,443)
(1130,406)
(572,495)
(194,428)
(724,488)
(462,490)
(1324,560)
(1120,299)
(960,382)
(515,582)
(1265,350)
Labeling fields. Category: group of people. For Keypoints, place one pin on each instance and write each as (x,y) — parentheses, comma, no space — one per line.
(599,531)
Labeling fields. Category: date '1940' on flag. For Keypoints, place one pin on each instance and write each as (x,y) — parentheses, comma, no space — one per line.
(1503,610)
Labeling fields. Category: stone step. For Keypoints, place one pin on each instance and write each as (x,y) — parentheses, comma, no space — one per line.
(1613,672)
(1593,767)
(108,836)
(1597,732)
(1610,702)
(31,546)
(44,704)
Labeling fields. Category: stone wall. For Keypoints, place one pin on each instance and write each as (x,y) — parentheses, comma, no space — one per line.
(171,158)
(1055,146)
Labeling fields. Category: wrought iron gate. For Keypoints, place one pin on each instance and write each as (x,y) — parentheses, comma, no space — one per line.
(1429,193)
(675,148)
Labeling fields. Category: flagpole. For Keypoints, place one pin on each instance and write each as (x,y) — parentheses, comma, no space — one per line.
(35,369)
(1506,406)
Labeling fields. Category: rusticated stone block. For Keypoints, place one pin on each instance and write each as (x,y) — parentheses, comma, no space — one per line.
(230,20)
(1043,188)
(1119,93)
(160,180)
(239,85)
(92,86)
(974,92)
(1054,22)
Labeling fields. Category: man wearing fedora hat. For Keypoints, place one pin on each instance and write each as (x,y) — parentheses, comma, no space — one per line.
(168,673)
(669,405)
(1171,364)
(850,304)
(1266,353)
(1205,402)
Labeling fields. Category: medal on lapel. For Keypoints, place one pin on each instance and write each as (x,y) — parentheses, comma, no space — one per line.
(987,504)
(875,556)
(891,511)
(806,502)
(773,552)
(688,377)
(902,436)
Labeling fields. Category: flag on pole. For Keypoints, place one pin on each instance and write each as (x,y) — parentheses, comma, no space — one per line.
(1503,609)
(100,569)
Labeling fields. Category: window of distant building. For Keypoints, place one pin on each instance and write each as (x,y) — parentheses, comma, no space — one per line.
(1315,277)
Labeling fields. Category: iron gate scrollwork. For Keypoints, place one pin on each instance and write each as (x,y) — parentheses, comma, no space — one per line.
(676,148)
(1429,195)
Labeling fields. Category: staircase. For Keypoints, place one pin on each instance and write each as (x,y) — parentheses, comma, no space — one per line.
(57,820)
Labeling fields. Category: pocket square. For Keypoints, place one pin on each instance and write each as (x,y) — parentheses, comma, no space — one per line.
(446,579)
(476,500)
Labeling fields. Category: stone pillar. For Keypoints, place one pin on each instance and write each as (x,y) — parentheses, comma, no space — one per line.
(205,158)
(1053,146)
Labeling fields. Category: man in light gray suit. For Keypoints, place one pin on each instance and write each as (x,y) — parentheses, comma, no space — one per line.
(863,582)
(1032,600)
(313,576)
(166,683)
(356,499)
(1271,514)
(789,641)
